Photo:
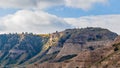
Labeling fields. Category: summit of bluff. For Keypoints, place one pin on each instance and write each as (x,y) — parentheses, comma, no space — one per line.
(72,48)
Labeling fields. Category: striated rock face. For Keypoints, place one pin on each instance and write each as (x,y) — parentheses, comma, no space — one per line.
(72,48)
(85,39)
(18,48)
(104,57)
(82,48)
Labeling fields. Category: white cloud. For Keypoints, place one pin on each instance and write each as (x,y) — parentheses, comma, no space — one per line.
(30,4)
(48,3)
(84,4)
(32,21)
(42,22)
(41,4)
(111,22)
(17,3)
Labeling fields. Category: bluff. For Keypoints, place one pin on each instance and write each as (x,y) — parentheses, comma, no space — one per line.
(56,49)
(105,56)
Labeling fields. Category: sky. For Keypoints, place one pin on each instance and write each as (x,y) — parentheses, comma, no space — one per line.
(47,16)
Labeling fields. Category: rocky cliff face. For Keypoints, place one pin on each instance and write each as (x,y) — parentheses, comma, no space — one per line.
(72,48)
(18,48)
(103,57)
(83,44)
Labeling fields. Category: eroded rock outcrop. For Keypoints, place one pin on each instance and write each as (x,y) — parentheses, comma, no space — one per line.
(82,48)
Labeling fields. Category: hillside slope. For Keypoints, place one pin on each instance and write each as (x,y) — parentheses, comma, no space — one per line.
(18,48)
(22,50)
(77,41)
(104,57)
